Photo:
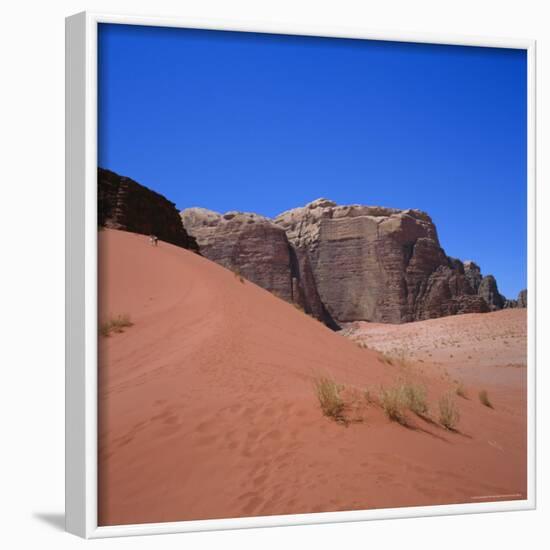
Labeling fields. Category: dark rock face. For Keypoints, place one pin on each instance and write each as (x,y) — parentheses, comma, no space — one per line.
(259,250)
(488,290)
(127,205)
(473,274)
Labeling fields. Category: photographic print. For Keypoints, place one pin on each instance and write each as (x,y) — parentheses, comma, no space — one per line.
(312,274)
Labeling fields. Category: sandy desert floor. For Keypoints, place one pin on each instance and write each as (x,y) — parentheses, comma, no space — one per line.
(488,350)
(207,406)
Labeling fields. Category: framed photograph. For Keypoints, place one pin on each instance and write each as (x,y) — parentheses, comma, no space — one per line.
(300,275)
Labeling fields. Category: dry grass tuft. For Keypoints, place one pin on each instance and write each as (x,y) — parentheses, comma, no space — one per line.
(115,324)
(416,398)
(448,412)
(328,394)
(461,390)
(484,399)
(394,403)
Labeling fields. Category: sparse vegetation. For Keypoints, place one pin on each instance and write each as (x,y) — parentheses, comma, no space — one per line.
(328,394)
(448,412)
(115,324)
(484,399)
(461,390)
(394,403)
(416,398)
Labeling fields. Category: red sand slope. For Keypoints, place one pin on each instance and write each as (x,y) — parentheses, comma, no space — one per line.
(207,406)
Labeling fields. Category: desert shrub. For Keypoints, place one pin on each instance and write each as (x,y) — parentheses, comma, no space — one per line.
(115,324)
(330,400)
(461,390)
(448,412)
(484,399)
(394,403)
(416,398)
(386,358)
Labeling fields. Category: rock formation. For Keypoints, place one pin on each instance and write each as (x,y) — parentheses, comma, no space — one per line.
(337,263)
(258,249)
(378,264)
(486,287)
(347,263)
(488,290)
(521,300)
(127,205)
(473,274)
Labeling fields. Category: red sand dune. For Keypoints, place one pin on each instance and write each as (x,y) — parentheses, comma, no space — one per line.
(208,409)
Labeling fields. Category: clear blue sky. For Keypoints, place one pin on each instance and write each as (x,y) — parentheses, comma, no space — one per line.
(264,123)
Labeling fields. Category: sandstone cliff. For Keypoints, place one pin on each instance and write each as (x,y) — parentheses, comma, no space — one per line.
(127,205)
(379,264)
(347,263)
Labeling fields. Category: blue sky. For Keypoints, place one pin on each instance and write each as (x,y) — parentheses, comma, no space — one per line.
(264,123)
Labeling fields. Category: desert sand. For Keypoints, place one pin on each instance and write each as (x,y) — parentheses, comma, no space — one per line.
(207,405)
(485,349)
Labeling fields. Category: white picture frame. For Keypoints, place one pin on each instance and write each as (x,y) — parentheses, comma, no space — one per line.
(81,277)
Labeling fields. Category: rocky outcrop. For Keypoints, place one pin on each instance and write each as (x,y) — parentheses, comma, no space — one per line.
(127,205)
(488,290)
(520,302)
(486,287)
(379,264)
(473,274)
(259,250)
(347,263)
